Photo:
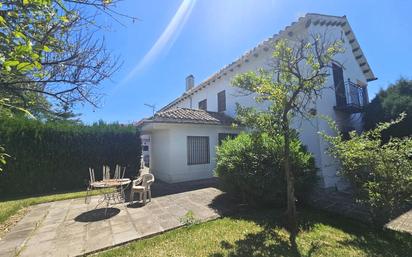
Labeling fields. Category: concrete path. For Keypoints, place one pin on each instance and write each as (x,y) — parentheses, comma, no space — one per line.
(403,223)
(71,227)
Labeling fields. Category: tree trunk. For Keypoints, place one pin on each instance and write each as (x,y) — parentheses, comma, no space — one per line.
(290,187)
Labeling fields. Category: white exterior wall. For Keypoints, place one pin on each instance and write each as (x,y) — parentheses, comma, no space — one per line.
(308,129)
(169,150)
(160,155)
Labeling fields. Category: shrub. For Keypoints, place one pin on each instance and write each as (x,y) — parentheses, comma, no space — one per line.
(55,156)
(251,166)
(381,172)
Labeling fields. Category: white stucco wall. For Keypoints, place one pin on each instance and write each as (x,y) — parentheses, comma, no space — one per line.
(169,150)
(308,129)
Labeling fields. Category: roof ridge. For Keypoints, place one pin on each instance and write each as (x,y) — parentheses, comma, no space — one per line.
(265,44)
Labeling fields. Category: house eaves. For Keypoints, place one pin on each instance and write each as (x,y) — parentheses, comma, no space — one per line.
(266,45)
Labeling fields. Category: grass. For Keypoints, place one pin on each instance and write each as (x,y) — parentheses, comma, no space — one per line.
(10,207)
(261,234)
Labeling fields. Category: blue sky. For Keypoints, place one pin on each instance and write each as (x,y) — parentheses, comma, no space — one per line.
(176,38)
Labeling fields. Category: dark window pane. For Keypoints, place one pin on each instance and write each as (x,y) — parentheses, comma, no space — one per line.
(221,101)
(339,85)
(203,105)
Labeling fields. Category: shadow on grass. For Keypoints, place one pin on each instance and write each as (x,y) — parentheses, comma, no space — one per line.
(315,227)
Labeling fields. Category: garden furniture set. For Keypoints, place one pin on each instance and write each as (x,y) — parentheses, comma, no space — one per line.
(113,189)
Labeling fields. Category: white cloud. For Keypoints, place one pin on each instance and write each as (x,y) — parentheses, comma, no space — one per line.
(166,39)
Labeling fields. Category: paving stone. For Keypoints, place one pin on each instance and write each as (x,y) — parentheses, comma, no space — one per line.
(125,236)
(119,228)
(96,240)
(44,249)
(60,232)
(120,220)
(170,223)
(39,238)
(147,226)
(10,253)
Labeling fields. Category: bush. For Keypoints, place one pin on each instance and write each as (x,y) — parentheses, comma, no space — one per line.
(55,156)
(381,173)
(251,166)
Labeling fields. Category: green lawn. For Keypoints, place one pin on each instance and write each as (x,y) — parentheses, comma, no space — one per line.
(9,207)
(259,234)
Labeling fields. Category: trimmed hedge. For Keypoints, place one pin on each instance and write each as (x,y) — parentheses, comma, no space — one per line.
(48,157)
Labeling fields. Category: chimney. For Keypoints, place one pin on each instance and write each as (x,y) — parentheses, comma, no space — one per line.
(190,82)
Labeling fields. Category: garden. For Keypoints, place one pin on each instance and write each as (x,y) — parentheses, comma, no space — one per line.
(260,206)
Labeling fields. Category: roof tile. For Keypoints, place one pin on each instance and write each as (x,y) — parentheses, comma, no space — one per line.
(186,115)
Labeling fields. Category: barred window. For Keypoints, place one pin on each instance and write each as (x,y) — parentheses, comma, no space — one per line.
(221,101)
(197,150)
(203,105)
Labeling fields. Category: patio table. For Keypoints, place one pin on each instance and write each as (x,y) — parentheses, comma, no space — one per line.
(109,195)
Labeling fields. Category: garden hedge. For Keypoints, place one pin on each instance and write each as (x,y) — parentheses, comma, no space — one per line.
(55,156)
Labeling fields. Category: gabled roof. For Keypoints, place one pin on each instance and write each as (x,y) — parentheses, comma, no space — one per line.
(307,20)
(192,116)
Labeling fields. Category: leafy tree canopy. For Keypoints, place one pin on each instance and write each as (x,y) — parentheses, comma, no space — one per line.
(389,104)
(50,55)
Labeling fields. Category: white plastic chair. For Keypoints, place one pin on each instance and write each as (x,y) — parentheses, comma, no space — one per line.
(142,189)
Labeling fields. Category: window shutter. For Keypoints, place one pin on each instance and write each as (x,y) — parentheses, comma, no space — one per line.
(221,101)
(203,105)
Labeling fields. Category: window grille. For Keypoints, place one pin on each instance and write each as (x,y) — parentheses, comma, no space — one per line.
(198,150)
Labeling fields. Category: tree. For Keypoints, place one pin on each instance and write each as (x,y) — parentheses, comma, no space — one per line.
(388,105)
(50,55)
(50,59)
(291,85)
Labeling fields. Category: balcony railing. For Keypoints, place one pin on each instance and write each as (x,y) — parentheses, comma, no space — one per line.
(353,100)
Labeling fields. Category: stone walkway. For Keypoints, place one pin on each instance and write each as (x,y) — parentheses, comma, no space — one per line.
(71,227)
(402,223)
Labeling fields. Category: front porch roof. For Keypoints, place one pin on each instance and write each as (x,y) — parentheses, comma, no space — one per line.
(189,116)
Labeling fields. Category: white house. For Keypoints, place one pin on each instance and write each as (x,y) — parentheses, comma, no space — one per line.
(184,134)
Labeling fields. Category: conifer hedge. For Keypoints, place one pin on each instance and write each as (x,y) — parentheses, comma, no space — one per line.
(55,156)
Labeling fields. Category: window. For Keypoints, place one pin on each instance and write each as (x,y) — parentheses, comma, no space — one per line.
(197,150)
(223,136)
(221,101)
(203,105)
(145,148)
(339,85)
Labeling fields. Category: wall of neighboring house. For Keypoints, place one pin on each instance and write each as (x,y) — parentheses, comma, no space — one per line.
(325,105)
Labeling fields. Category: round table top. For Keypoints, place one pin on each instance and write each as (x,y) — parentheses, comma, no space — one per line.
(111,183)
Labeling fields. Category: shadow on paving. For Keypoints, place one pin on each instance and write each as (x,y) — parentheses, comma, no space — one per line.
(269,242)
(97,215)
(160,188)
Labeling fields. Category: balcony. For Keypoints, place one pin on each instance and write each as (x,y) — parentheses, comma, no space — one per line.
(351,98)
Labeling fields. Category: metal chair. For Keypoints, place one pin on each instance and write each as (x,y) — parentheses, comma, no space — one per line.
(106,172)
(90,186)
(142,189)
(119,172)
